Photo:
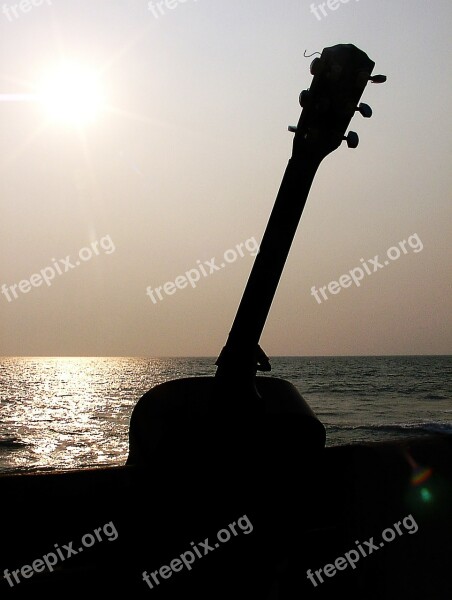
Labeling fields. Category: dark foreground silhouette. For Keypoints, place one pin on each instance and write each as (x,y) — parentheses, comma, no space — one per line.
(352,493)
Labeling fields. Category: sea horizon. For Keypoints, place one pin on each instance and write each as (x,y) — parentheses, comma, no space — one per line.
(206,356)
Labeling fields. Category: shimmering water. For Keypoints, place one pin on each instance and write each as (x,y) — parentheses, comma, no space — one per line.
(74,412)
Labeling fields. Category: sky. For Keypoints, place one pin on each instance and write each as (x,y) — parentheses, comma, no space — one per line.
(115,222)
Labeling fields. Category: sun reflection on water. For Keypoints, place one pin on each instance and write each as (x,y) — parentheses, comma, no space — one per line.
(69,412)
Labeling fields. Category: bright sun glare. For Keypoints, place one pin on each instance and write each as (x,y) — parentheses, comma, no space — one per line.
(71,94)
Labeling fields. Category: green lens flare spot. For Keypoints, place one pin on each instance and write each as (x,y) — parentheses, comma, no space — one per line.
(426,495)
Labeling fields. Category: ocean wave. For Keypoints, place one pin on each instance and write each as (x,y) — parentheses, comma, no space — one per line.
(426,427)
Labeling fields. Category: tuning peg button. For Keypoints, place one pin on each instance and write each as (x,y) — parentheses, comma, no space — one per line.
(304,96)
(317,66)
(364,110)
(352,139)
(378,78)
(292,128)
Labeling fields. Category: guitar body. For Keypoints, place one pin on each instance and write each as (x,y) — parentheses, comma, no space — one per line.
(183,413)
(211,452)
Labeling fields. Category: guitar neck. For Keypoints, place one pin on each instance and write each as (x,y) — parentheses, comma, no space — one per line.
(240,351)
(340,77)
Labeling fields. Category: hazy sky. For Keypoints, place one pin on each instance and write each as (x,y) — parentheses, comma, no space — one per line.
(184,162)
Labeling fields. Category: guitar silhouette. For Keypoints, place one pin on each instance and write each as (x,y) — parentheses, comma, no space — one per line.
(251,441)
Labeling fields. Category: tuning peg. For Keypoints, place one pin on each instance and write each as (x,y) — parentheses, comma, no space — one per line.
(317,66)
(352,139)
(378,78)
(303,97)
(365,110)
(292,128)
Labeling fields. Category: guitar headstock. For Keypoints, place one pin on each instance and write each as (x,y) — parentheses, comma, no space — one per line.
(341,74)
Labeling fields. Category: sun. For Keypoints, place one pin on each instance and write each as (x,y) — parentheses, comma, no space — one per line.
(71,94)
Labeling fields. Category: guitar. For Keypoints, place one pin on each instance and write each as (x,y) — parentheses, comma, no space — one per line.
(255,433)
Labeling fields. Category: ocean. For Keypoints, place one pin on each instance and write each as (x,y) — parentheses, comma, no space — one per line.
(65,413)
